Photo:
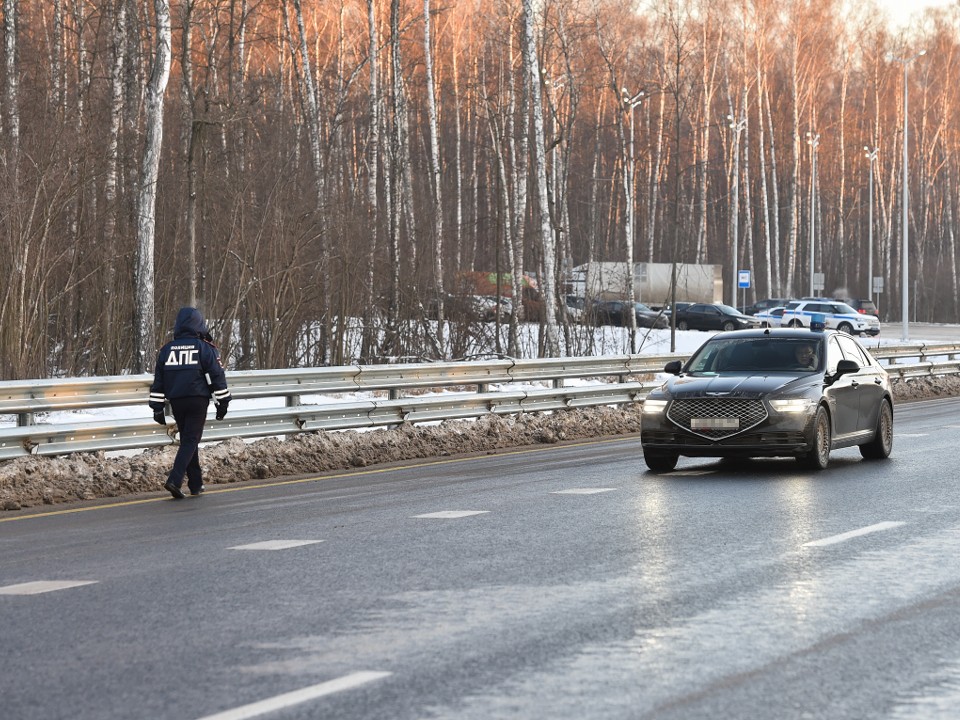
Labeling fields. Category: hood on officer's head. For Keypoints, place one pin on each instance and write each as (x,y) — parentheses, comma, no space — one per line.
(190,322)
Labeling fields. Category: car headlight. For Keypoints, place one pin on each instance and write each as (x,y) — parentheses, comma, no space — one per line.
(791,405)
(654,407)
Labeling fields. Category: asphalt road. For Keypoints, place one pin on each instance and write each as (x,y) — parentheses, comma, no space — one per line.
(564,582)
(916,332)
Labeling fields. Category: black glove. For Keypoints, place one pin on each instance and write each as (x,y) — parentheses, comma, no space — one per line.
(159,417)
(222,409)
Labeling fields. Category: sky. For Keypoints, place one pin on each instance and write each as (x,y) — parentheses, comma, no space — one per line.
(901,11)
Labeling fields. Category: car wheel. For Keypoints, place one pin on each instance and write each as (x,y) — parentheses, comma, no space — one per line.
(660,462)
(729,326)
(794,324)
(819,456)
(879,448)
(683,325)
(845,327)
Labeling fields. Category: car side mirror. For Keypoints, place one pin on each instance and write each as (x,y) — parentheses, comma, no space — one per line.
(673,367)
(845,367)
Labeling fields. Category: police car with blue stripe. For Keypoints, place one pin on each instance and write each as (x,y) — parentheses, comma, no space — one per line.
(837,315)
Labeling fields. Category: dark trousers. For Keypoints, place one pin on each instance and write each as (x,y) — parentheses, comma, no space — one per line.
(190,414)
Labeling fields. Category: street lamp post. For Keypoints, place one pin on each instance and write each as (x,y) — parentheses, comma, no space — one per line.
(630,103)
(871,155)
(813,139)
(737,126)
(905,248)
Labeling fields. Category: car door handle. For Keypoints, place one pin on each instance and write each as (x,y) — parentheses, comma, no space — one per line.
(854,383)
(877,381)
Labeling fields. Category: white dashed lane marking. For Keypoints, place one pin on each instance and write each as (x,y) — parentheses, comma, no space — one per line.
(297,697)
(451,514)
(582,491)
(43,586)
(834,539)
(275,545)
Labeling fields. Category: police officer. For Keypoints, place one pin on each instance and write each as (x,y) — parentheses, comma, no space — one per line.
(188,373)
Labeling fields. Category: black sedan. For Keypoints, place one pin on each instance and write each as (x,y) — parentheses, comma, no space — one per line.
(770,393)
(617,312)
(713,316)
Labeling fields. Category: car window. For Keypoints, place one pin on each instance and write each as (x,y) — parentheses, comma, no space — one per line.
(793,305)
(852,351)
(699,308)
(834,355)
(844,308)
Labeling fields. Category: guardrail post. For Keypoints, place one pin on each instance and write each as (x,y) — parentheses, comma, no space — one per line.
(292,400)
(25,419)
(482,388)
(557,383)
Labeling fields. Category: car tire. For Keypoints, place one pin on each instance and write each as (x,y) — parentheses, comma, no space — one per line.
(879,448)
(729,326)
(683,325)
(660,462)
(845,327)
(795,324)
(819,456)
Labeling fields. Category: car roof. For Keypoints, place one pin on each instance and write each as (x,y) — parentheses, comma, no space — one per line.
(778,333)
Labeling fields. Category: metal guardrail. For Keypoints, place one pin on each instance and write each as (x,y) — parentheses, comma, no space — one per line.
(26,399)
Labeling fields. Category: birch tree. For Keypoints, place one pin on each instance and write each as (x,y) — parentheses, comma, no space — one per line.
(551,346)
(435,175)
(147,194)
(12,90)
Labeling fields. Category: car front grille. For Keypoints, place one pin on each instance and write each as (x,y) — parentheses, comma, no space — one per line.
(747,412)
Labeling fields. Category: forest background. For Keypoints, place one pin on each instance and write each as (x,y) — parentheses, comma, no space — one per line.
(314,175)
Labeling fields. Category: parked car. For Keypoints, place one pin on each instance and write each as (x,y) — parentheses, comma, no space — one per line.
(647,317)
(770,393)
(771,317)
(837,315)
(713,316)
(762,305)
(616,312)
(864,307)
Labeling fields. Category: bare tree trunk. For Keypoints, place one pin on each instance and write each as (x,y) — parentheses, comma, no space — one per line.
(309,94)
(518,140)
(108,350)
(57,64)
(653,201)
(147,197)
(194,130)
(793,190)
(373,168)
(532,67)
(12,94)
(437,179)
(458,164)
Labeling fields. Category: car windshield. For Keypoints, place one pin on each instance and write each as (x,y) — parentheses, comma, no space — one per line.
(727,310)
(757,355)
(844,308)
(643,308)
